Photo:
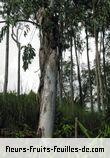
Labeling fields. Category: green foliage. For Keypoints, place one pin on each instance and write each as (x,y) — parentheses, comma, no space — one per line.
(105,131)
(19,118)
(26,132)
(28,55)
(83,129)
(63,128)
(17,111)
(89,124)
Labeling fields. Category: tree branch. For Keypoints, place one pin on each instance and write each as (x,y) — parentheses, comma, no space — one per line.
(13,37)
(28,21)
(51,3)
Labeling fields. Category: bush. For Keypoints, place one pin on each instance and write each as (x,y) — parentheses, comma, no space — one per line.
(16,111)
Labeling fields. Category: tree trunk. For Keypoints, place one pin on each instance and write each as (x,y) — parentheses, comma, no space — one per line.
(71,75)
(19,55)
(61,64)
(100,94)
(6,60)
(99,74)
(61,79)
(104,68)
(48,56)
(89,70)
(16,39)
(96,51)
(79,77)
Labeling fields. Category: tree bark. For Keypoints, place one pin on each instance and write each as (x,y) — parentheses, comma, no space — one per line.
(78,70)
(96,51)
(6,60)
(89,70)
(61,79)
(71,75)
(99,74)
(100,93)
(49,57)
(104,68)
(16,39)
(19,56)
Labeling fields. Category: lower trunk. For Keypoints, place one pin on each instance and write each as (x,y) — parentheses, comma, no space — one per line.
(99,76)
(48,98)
(18,86)
(6,61)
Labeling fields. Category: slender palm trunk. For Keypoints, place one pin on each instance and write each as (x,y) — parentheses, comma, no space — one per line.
(89,70)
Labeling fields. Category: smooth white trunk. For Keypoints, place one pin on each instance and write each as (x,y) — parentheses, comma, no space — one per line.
(48,97)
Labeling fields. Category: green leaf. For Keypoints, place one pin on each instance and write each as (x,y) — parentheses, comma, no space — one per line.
(28,55)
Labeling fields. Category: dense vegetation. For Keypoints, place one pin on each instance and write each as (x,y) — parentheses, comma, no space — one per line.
(19,118)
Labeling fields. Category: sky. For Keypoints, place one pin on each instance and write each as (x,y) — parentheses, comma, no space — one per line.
(30,78)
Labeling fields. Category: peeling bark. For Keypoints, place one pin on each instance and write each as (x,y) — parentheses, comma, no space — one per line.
(48,56)
(48,96)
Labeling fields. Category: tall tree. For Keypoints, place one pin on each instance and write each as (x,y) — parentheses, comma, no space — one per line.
(89,69)
(71,72)
(48,56)
(78,71)
(7,54)
(16,39)
(100,95)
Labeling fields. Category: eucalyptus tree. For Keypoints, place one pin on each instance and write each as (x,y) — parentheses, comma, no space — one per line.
(5,13)
(7,56)
(89,69)
(45,15)
(73,28)
(15,37)
(101,15)
(87,26)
